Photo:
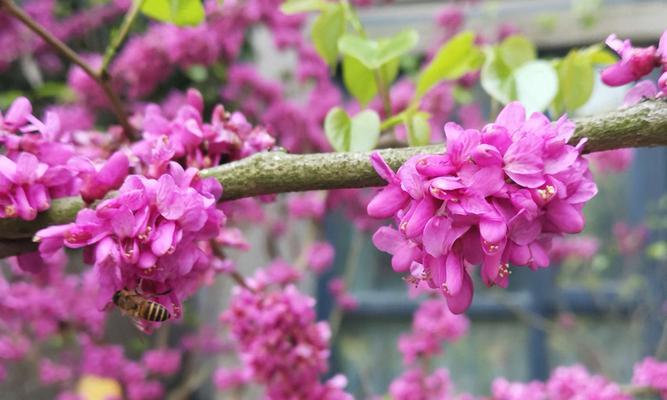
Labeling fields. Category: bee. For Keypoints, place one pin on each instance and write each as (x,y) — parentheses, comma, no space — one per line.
(139,308)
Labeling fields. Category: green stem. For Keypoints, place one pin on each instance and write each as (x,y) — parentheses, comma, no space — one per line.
(643,125)
(119,38)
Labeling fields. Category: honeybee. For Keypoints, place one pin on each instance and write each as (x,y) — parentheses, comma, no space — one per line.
(139,308)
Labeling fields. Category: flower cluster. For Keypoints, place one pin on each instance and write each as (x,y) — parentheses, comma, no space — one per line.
(149,237)
(496,196)
(433,324)
(281,343)
(414,384)
(565,383)
(43,162)
(195,143)
(651,373)
(637,62)
(341,295)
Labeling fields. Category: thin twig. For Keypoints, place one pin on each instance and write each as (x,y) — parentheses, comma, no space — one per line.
(119,38)
(67,52)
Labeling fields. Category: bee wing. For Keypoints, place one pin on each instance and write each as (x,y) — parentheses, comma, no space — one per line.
(143,326)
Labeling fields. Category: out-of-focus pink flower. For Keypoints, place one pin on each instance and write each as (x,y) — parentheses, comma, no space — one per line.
(611,161)
(495,197)
(227,378)
(307,205)
(320,256)
(450,18)
(651,373)
(642,90)
(50,372)
(415,384)
(507,29)
(581,248)
(343,298)
(162,361)
(433,324)
(502,389)
(570,383)
(629,240)
(635,62)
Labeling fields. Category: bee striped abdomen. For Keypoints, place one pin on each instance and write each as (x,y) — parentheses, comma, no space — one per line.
(154,312)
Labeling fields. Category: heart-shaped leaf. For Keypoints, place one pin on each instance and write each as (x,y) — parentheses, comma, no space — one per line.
(360,133)
(328,27)
(454,59)
(177,12)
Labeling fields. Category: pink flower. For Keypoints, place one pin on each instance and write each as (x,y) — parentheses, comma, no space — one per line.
(503,389)
(98,181)
(149,234)
(571,383)
(433,325)
(162,361)
(651,373)
(611,161)
(635,62)
(629,240)
(582,248)
(279,340)
(415,384)
(642,90)
(343,298)
(320,256)
(225,379)
(496,196)
(50,372)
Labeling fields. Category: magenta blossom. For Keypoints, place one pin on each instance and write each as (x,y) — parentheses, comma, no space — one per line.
(433,325)
(147,238)
(635,62)
(611,161)
(414,384)
(320,256)
(495,197)
(651,373)
(343,298)
(279,341)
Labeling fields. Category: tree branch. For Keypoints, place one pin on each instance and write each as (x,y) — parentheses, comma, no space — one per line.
(643,125)
(68,53)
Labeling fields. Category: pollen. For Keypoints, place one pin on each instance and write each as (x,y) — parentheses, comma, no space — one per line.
(490,247)
(547,192)
(10,211)
(504,271)
(437,192)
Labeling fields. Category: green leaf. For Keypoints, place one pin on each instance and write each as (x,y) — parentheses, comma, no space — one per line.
(364,131)
(455,58)
(300,6)
(359,80)
(178,12)
(463,95)
(364,50)
(396,46)
(389,71)
(536,85)
(197,73)
(419,130)
(517,50)
(337,128)
(8,97)
(360,133)
(374,54)
(576,78)
(328,27)
(497,79)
